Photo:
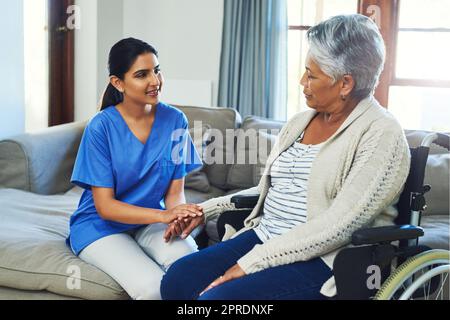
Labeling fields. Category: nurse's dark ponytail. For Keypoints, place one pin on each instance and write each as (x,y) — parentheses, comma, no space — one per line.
(121,57)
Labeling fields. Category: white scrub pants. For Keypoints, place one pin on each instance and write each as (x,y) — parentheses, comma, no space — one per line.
(138,260)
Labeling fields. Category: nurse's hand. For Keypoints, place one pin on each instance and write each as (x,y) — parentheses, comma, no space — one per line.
(181,212)
(182,228)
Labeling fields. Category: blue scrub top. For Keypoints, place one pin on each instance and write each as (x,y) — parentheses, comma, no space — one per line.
(110,156)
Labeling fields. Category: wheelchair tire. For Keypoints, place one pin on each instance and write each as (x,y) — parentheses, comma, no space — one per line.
(401,281)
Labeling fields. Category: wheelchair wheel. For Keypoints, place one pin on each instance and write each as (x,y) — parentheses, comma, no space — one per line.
(423,277)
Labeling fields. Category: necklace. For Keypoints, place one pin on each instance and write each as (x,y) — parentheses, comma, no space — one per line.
(302,135)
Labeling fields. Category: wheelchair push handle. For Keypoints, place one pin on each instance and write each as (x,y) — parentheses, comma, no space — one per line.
(439,139)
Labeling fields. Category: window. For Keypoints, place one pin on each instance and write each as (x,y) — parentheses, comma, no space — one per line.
(419,89)
(303,14)
(415,84)
(36,64)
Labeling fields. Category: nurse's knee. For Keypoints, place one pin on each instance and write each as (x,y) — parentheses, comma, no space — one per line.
(177,249)
(145,290)
(151,240)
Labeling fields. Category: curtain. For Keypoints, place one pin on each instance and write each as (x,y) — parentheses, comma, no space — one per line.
(253,71)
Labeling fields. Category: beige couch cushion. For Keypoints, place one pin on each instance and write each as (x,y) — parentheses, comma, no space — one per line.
(437,175)
(266,140)
(33,252)
(198,180)
(41,162)
(240,174)
(248,145)
(436,231)
(221,120)
(17,294)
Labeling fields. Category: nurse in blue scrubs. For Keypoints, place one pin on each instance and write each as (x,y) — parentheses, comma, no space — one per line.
(131,163)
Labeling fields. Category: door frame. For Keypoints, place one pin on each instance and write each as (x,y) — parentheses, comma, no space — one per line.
(61,64)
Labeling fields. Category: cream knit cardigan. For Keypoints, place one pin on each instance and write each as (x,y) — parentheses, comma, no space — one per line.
(355,181)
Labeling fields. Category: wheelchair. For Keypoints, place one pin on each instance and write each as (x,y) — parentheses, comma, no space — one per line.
(383,263)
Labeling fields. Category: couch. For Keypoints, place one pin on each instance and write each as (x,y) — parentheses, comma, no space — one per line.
(37,199)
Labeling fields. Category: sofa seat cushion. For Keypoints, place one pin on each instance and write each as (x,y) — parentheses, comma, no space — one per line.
(16,294)
(437,231)
(33,252)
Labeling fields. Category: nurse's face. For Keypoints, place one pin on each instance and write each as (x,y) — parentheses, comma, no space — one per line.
(142,83)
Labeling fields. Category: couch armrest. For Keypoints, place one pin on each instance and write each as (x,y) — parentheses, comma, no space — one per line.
(41,162)
(386,234)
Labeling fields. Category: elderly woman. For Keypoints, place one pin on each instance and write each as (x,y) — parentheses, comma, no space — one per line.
(335,169)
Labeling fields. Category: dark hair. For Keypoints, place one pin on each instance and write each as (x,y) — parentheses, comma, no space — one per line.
(121,57)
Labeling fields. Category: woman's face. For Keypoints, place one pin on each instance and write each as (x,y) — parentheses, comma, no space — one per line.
(320,92)
(142,83)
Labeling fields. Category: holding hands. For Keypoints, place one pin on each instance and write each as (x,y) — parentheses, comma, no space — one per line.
(180,212)
(182,220)
(183,225)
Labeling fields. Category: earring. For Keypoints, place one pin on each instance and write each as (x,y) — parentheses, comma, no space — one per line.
(343,98)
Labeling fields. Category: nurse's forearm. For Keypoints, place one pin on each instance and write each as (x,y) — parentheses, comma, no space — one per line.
(174,200)
(118,211)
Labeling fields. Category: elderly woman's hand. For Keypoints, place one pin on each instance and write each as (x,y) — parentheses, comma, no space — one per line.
(234,272)
(182,227)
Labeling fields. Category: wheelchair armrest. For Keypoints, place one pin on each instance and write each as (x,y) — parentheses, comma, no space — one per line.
(245,201)
(386,234)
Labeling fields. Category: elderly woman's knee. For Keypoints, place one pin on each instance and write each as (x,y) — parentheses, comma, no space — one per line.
(171,281)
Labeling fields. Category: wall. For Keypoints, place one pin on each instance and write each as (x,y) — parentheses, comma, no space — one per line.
(101,27)
(36,84)
(12,110)
(109,31)
(86,96)
(188,36)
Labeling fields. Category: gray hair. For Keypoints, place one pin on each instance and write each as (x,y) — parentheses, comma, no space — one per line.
(349,44)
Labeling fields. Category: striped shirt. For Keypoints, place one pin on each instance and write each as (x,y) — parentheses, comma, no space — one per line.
(285,204)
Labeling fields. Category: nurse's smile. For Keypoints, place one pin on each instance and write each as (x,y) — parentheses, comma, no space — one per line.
(153,93)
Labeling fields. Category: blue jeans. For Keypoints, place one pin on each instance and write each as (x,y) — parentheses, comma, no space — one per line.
(190,275)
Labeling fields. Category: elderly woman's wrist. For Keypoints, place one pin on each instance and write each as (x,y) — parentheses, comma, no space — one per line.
(249,263)
(210,214)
